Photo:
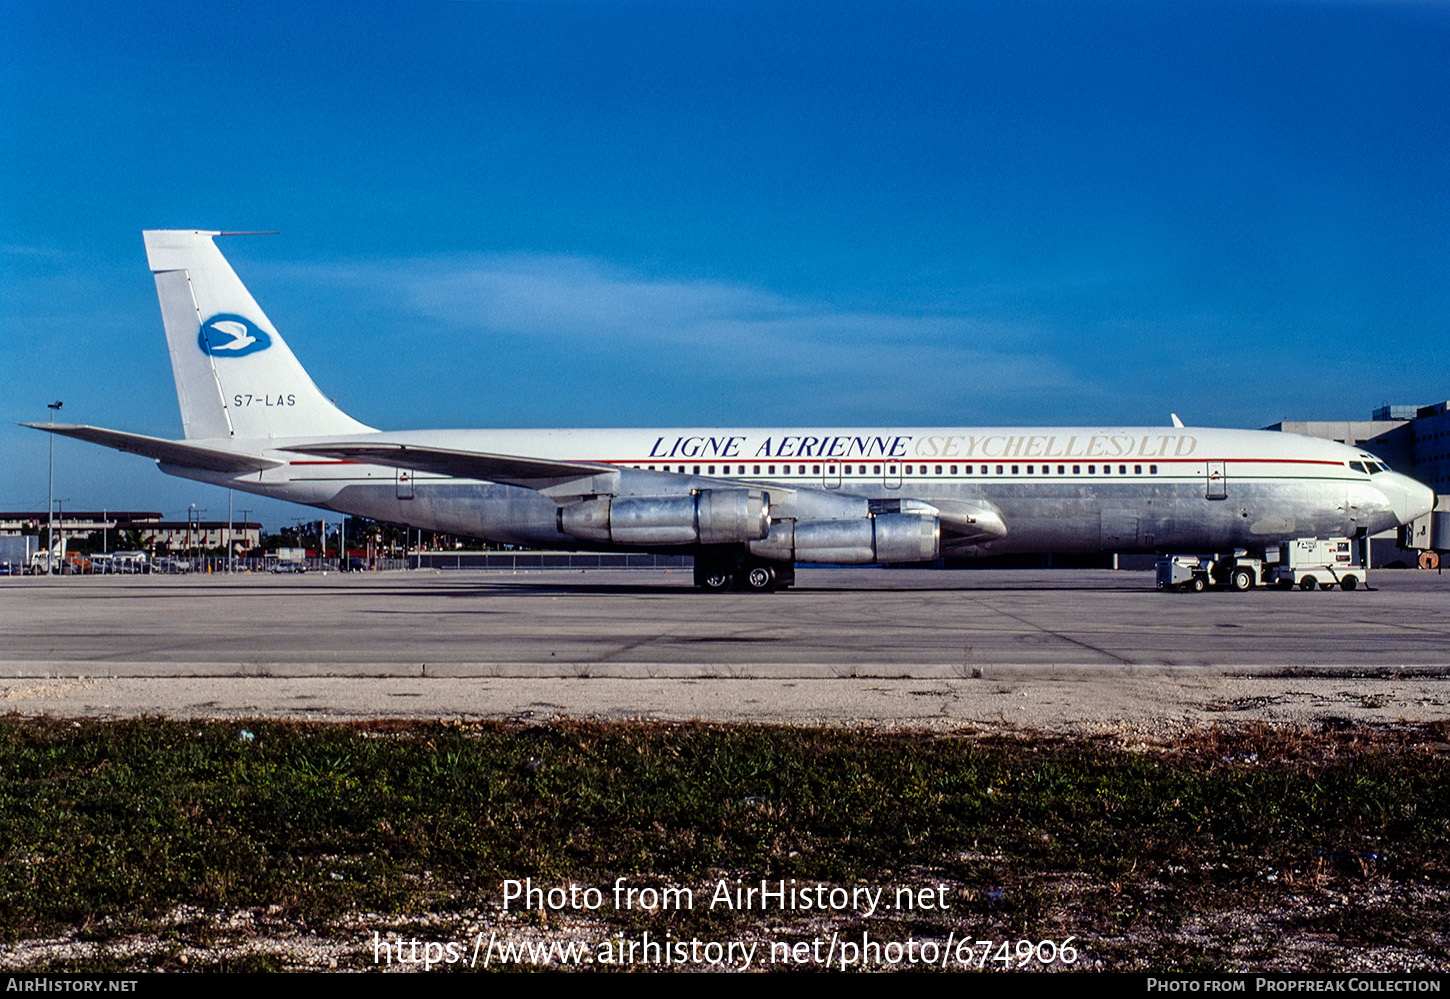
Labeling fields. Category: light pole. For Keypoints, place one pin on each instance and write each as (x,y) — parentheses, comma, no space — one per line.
(50,492)
(244,534)
(193,532)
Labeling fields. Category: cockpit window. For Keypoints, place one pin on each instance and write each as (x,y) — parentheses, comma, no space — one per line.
(1358,466)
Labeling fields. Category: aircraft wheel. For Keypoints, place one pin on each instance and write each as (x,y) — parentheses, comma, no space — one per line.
(760,579)
(1241,580)
(1198,584)
(1348,583)
(715,576)
(1307,583)
(1429,560)
(717,580)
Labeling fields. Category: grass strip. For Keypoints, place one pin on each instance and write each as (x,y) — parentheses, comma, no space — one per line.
(108,827)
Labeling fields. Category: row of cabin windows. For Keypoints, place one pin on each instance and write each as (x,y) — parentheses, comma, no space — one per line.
(913,469)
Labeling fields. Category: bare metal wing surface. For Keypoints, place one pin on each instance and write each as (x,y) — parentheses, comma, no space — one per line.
(530,473)
(963,519)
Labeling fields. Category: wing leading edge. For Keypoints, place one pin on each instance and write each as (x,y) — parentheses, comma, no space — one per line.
(511,470)
(170,452)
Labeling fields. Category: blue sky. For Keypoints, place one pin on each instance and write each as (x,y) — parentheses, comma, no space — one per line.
(616,214)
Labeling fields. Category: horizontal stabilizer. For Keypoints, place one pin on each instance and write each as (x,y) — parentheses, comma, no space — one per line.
(532,473)
(170,452)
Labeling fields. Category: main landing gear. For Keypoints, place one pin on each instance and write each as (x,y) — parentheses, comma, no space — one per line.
(719,573)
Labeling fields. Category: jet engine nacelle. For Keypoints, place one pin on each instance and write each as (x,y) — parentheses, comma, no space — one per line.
(886,537)
(707,517)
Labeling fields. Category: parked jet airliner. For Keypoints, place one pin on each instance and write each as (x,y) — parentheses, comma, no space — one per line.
(747,503)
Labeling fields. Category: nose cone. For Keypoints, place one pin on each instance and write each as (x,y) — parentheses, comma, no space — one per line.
(1409,499)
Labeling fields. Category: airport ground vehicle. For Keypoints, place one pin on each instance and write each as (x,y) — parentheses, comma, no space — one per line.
(747,503)
(1325,562)
(1303,562)
(129,562)
(1237,571)
(16,552)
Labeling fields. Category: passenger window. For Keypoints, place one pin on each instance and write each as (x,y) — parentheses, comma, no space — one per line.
(1061,469)
(1137,469)
(757,469)
(999,469)
(770,470)
(1014,469)
(1092,469)
(1152,469)
(815,469)
(1029,469)
(1076,469)
(938,469)
(1107,469)
(954,469)
(712,470)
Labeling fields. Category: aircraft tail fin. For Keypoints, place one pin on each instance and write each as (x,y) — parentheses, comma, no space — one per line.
(235,375)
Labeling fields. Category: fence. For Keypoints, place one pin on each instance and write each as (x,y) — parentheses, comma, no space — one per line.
(179,565)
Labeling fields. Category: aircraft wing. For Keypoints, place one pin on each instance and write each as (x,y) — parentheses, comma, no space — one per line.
(511,470)
(967,521)
(170,452)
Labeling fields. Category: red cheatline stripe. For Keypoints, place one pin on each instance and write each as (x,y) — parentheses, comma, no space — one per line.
(960,461)
(923,461)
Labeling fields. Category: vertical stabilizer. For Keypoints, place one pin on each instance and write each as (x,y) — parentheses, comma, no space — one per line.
(235,375)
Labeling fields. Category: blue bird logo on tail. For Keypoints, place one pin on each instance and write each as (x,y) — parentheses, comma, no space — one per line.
(226,335)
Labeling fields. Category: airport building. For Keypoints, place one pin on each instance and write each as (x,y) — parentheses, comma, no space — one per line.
(1411,439)
(155,534)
